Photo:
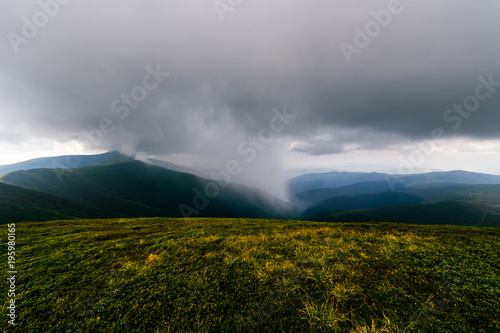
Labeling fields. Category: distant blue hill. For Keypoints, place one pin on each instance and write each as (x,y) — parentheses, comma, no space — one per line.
(428,198)
(448,177)
(323,185)
(67,162)
(335,179)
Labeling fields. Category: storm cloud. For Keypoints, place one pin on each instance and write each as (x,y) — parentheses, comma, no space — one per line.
(231,63)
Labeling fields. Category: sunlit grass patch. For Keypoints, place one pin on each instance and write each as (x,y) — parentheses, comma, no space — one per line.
(384,325)
(323,315)
(152,258)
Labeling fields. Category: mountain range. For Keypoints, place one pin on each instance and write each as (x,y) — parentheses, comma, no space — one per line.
(116,185)
(454,197)
(135,189)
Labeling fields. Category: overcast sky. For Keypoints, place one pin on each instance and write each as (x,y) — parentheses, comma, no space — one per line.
(373,85)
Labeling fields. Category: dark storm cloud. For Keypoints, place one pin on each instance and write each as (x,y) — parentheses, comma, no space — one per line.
(226,77)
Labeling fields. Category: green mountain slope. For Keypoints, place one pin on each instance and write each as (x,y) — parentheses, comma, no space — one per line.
(136,189)
(22,204)
(467,192)
(472,205)
(361,201)
(466,213)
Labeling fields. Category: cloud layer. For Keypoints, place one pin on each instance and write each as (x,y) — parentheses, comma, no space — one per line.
(226,76)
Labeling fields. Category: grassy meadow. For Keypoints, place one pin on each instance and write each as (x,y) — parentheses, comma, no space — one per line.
(246,275)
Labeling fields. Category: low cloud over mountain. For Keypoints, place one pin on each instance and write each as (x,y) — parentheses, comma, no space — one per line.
(192,80)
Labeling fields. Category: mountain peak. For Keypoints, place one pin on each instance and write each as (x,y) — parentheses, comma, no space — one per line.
(67,162)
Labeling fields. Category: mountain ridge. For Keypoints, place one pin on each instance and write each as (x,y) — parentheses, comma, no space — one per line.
(120,186)
(137,189)
(66,162)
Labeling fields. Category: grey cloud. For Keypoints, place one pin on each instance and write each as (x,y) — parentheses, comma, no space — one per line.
(226,77)
(337,140)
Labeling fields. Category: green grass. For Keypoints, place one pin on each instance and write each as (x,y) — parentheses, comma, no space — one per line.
(241,275)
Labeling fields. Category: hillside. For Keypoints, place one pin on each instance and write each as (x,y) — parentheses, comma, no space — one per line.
(22,204)
(465,213)
(360,201)
(179,168)
(135,189)
(67,162)
(427,191)
(311,197)
(467,192)
(246,275)
(449,204)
